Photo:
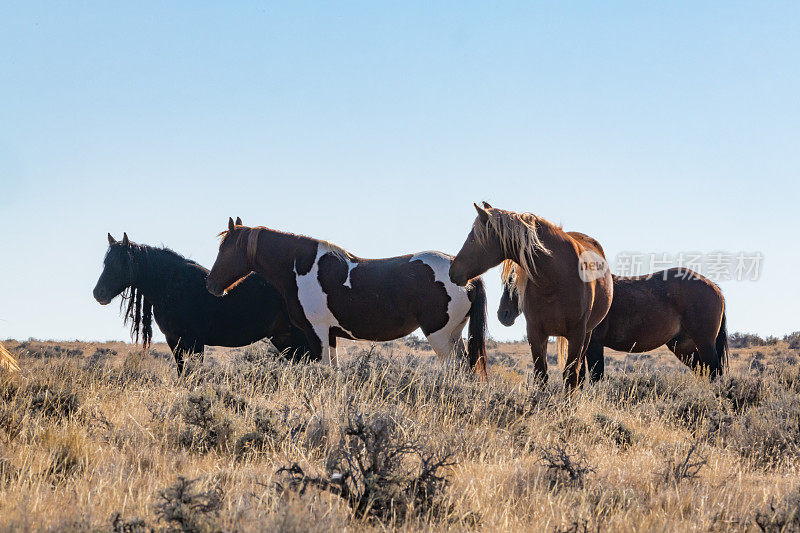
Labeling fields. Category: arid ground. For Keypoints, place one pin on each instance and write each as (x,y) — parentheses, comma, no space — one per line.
(101,437)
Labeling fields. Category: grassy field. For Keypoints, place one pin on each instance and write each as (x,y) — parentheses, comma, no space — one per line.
(97,436)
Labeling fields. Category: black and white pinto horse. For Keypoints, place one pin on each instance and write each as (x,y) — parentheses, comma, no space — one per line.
(330,293)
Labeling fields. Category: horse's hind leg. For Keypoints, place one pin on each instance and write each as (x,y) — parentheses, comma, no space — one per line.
(684,349)
(581,364)
(443,344)
(704,336)
(184,350)
(172,342)
(595,360)
(710,359)
(575,352)
(446,342)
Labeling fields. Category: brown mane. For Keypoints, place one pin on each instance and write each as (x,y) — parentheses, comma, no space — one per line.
(332,248)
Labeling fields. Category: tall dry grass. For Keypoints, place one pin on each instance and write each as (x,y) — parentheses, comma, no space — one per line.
(102,438)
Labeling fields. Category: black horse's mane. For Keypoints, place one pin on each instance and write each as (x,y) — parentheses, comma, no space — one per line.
(134,307)
(139,311)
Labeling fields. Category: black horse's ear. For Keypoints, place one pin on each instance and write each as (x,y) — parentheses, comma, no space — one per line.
(483,216)
(238,221)
(486,205)
(111,240)
(231,225)
(125,240)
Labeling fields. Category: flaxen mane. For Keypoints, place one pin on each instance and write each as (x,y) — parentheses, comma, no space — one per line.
(7,360)
(518,235)
(514,279)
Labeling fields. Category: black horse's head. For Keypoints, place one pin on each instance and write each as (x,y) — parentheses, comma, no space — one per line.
(118,272)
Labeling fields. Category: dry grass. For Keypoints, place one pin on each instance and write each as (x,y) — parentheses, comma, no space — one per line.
(99,437)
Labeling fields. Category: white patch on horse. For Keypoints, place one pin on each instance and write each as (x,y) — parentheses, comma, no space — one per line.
(350,267)
(444,340)
(314,302)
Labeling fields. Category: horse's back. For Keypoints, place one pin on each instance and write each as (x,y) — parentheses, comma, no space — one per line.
(694,295)
(390,297)
(648,311)
(641,317)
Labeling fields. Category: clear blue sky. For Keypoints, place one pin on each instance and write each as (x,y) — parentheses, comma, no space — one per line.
(652,126)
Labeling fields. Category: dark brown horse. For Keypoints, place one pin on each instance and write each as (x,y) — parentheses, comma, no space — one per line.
(160,282)
(568,290)
(677,307)
(332,294)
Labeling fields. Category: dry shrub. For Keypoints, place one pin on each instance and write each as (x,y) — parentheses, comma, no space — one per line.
(207,427)
(785,518)
(184,507)
(250,444)
(746,340)
(742,391)
(564,468)
(56,402)
(46,351)
(793,340)
(133,525)
(684,465)
(787,376)
(769,434)
(379,471)
(620,434)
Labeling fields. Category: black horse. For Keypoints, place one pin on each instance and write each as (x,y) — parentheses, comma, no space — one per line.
(162,283)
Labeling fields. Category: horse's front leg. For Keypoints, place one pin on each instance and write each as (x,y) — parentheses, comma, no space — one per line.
(538,344)
(317,331)
(594,359)
(332,358)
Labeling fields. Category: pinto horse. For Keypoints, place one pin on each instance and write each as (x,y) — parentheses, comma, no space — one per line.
(332,294)
(677,307)
(159,282)
(569,290)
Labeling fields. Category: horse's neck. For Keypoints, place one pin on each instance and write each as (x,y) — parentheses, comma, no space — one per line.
(548,267)
(278,255)
(155,275)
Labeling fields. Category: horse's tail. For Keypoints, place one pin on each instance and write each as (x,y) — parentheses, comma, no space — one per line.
(561,344)
(7,360)
(722,343)
(476,341)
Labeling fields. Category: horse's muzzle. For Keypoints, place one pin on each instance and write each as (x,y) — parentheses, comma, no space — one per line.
(213,288)
(506,318)
(457,278)
(102,297)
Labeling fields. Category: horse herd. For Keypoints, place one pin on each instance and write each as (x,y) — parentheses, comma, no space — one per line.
(306,293)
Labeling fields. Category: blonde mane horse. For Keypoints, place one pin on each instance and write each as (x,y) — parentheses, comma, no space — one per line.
(567,285)
(677,307)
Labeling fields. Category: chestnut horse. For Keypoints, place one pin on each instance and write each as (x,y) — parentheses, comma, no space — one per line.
(569,290)
(332,294)
(677,307)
